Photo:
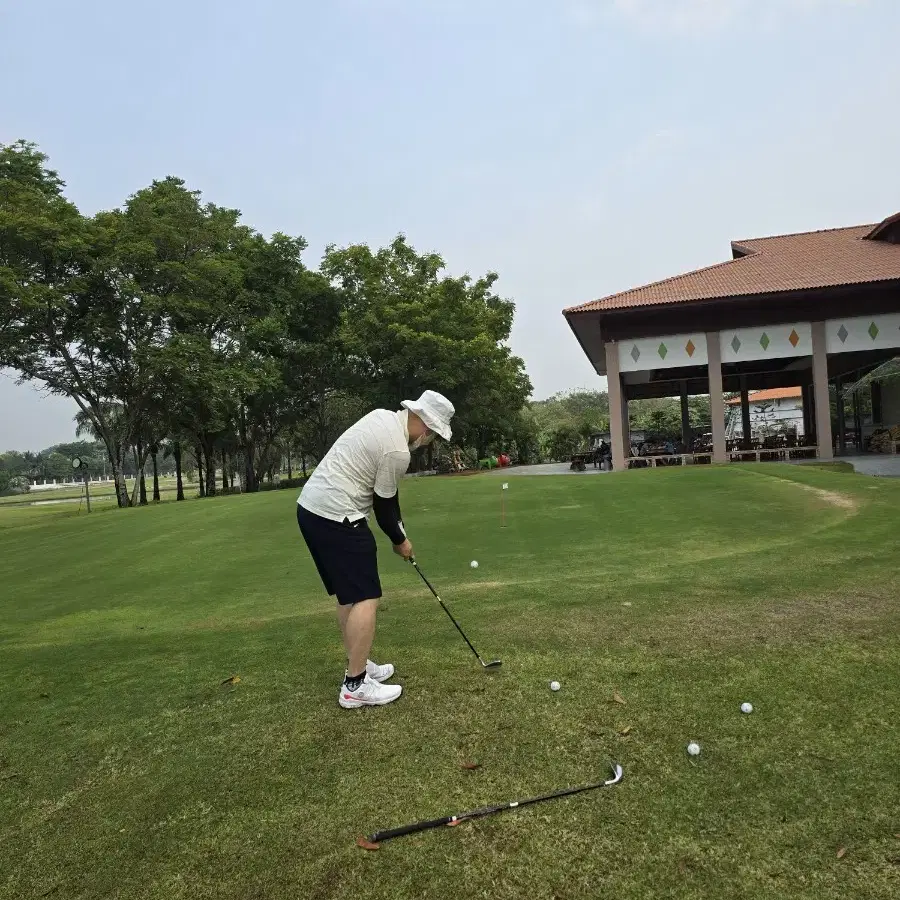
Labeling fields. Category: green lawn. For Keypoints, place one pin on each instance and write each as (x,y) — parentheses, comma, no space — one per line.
(128,771)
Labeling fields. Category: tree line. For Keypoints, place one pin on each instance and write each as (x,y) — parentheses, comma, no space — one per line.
(563,423)
(179,330)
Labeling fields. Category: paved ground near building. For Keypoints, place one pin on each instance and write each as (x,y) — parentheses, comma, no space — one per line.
(877,465)
(881,465)
(545,469)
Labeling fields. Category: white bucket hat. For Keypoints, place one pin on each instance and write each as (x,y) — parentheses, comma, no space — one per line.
(435,410)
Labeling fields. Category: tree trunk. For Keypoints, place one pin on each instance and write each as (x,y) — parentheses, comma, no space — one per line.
(290,470)
(142,483)
(250,485)
(179,495)
(200,472)
(303,464)
(154,451)
(135,491)
(116,454)
(224,471)
(119,479)
(210,459)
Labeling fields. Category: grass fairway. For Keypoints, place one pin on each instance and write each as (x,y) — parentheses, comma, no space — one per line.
(128,771)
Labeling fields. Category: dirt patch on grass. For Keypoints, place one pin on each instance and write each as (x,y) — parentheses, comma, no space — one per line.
(851,504)
(832,498)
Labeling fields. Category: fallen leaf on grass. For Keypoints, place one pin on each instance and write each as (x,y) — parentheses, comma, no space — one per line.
(234,679)
(366,844)
(625,730)
(618,698)
(471,765)
(841,852)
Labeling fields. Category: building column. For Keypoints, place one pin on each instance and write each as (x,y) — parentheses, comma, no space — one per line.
(857,422)
(806,394)
(820,392)
(686,419)
(716,402)
(617,410)
(841,416)
(875,387)
(745,412)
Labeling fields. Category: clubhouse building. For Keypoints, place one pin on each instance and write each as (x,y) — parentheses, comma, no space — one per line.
(813,311)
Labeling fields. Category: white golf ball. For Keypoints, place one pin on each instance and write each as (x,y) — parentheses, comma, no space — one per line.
(554,685)
(693,749)
(746,707)
(474,564)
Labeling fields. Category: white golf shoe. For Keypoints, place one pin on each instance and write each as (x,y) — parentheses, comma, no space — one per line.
(369,693)
(376,672)
(379,673)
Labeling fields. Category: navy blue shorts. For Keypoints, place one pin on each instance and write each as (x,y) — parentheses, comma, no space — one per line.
(345,554)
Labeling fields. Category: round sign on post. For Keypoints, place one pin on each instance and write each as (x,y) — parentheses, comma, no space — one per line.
(78,466)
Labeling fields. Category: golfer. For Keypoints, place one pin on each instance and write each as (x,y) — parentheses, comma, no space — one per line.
(358,475)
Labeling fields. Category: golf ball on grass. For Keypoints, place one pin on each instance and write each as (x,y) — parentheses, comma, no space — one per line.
(746,707)
(693,749)
(474,564)
(554,685)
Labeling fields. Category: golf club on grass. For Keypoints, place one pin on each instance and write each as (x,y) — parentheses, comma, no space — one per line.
(489,810)
(494,663)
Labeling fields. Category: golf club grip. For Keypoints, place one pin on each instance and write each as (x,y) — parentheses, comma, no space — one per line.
(389,833)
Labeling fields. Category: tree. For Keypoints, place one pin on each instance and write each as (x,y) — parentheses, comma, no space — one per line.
(287,347)
(582,412)
(563,442)
(78,321)
(526,437)
(179,271)
(56,313)
(406,328)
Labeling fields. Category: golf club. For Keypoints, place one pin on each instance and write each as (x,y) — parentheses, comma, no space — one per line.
(489,810)
(494,663)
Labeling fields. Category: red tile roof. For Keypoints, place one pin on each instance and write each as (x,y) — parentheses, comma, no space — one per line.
(813,259)
(771,394)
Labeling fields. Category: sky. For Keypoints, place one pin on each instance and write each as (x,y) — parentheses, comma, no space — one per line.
(575,147)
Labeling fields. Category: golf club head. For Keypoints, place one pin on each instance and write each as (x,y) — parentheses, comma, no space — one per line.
(617,775)
(493,664)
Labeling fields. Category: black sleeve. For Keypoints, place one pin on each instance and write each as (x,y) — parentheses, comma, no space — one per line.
(387,514)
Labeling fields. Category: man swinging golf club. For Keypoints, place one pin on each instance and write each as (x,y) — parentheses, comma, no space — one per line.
(359,475)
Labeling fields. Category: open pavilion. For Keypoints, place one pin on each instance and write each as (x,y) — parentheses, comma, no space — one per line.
(813,310)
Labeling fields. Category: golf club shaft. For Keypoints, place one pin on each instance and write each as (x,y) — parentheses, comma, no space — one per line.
(444,607)
(389,833)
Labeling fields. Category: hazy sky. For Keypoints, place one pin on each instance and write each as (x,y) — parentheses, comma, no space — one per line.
(577,148)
